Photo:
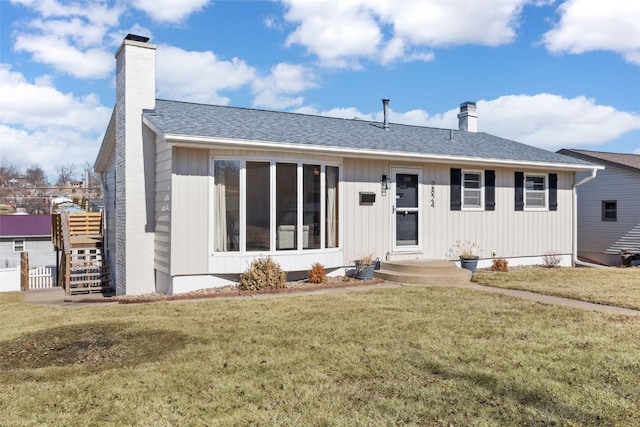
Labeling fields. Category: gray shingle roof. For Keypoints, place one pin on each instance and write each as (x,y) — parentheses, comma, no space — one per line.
(628,161)
(212,121)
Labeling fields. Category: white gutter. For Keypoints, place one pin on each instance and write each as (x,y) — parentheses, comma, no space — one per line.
(574,224)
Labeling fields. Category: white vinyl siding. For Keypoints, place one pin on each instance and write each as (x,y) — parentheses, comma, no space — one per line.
(600,240)
(162,247)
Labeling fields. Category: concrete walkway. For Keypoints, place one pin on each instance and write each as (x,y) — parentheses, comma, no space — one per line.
(57,297)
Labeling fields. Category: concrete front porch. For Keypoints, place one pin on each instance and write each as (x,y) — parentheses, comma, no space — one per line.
(423,272)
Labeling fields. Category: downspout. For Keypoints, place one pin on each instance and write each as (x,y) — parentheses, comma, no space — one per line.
(574,224)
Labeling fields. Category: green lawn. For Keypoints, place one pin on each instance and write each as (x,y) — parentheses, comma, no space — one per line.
(612,286)
(407,356)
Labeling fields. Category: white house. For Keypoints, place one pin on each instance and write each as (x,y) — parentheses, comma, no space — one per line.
(195,192)
(609,207)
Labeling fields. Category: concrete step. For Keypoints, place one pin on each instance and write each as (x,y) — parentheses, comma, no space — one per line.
(423,272)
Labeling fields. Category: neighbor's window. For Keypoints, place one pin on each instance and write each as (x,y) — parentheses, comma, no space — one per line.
(472,190)
(18,246)
(609,210)
(535,192)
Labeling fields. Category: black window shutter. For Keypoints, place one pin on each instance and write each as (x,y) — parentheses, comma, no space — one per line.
(456,189)
(553,191)
(490,190)
(519,190)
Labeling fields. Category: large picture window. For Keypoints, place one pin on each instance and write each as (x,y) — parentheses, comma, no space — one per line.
(286,206)
(258,208)
(271,206)
(227,203)
(331,207)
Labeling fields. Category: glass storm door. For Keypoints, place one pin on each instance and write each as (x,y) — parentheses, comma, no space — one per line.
(406,210)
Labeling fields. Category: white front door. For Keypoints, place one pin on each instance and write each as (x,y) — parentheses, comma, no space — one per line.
(406,209)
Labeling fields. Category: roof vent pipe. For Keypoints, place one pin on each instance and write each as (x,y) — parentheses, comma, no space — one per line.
(385,110)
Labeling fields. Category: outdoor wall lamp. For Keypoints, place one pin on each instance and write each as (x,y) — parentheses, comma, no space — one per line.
(386,184)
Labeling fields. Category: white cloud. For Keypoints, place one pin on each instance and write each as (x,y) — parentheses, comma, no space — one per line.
(38,104)
(341,33)
(544,120)
(44,147)
(39,124)
(69,36)
(173,11)
(590,25)
(548,121)
(553,122)
(286,80)
(64,57)
(201,77)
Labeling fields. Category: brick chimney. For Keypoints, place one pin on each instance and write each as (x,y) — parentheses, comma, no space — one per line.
(134,167)
(468,117)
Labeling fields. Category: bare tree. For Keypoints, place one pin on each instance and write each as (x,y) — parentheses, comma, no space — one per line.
(35,175)
(7,172)
(65,174)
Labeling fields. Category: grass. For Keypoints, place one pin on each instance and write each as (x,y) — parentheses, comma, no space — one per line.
(611,286)
(408,356)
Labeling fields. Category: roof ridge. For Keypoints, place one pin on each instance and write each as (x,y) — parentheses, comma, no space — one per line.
(374,122)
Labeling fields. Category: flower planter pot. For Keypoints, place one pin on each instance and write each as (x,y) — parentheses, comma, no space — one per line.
(469,263)
(365,272)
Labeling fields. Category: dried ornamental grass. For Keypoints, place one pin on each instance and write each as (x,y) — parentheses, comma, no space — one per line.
(264,273)
(500,264)
(317,273)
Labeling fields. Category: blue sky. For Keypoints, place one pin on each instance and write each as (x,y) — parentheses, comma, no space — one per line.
(554,74)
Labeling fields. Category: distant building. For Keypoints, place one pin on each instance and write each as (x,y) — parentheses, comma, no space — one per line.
(26,233)
(608,207)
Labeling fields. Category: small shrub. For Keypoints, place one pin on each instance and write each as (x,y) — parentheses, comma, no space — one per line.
(500,264)
(551,260)
(317,273)
(264,273)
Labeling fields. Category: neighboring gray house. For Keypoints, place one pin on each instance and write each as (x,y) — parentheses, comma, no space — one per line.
(26,233)
(194,193)
(608,207)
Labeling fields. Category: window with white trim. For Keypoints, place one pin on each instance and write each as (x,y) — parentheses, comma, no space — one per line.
(472,190)
(268,205)
(19,245)
(535,192)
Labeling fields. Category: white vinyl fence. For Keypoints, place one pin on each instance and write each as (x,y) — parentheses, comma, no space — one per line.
(9,279)
(39,278)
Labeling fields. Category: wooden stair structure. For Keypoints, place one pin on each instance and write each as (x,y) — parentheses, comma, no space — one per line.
(82,264)
(423,272)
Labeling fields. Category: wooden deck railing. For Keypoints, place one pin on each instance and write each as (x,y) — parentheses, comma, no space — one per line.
(72,225)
